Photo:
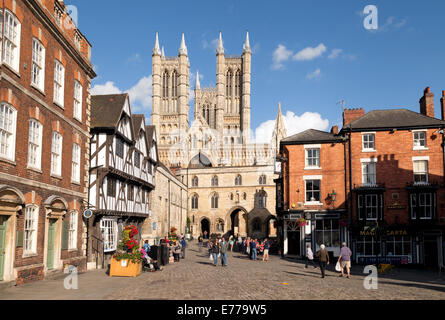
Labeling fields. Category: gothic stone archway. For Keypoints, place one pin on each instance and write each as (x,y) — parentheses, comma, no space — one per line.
(237,221)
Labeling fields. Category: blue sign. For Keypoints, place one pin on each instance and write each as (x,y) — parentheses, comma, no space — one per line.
(87,213)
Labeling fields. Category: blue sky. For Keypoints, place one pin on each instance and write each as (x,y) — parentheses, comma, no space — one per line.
(307,54)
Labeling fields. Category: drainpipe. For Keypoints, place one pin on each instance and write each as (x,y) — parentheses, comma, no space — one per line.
(350,178)
(169,204)
(346,184)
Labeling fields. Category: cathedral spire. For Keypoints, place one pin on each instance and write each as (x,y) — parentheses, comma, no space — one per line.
(156,49)
(162,52)
(279,132)
(246,47)
(197,84)
(220,49)
(183,48)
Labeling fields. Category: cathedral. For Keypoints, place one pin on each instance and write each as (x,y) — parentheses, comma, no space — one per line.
(229,176)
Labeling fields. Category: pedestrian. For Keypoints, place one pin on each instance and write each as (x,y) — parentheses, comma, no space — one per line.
(253,249)
(323,257)
(183,245)
(266,250)
(240,243)
(345,260)
(176,251)
(223,251)
(146,246)
(231,242)
(205,235)
(248,247)
(215,251)
(200,242)
(309,256)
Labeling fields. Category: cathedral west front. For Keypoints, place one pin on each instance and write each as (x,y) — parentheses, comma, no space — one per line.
(229,177)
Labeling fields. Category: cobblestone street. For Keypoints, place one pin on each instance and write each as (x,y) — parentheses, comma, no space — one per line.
(196,278)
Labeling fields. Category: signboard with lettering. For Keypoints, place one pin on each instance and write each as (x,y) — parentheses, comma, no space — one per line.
(386,260)
(389,233)
(277,167)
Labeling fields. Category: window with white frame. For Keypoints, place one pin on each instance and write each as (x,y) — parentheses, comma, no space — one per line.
(1,31)
(423,205)
(419,139)
(59,83)
(72,232)
(313,190)
(77,100)
(75,167)
(56,154)
(398,246)
(368,141)
(327,232)
(30,234)
(35,144)
(38,64)
(420,170)
(369,176)
(7,131)
(108,228)
(370,206)
(367,246)
(313,158)
(11,40)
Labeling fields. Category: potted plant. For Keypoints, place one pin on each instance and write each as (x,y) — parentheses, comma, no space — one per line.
(301,222)
(127,261)
(187,229)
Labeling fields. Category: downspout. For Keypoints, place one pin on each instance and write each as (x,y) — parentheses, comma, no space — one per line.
(169,205)
(346,185)
(350,176)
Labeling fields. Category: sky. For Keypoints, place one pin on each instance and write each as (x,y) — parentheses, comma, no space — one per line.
(308,55)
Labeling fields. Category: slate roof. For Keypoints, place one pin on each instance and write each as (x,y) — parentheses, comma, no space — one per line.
(137,120)
(395,118)
(311,136)
(149,132)
(106,110)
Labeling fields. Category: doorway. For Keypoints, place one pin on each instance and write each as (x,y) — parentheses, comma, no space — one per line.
(293,243)
(51,244)
(431,252)
(205,226)
(3,220)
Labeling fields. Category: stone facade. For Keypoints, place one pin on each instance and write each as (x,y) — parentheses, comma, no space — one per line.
(41,225)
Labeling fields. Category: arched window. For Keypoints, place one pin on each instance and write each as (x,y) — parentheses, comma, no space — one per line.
(165,81)
(195,181)
(214,181)
(231,196)
(174,84)
(261,199)
(263,179)
(229,84)
(214,201)
(256,224)
(195,201)
(244,196)
(219,226)
(238,84)
(238,180)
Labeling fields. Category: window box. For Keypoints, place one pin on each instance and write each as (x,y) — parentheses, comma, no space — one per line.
(125,268)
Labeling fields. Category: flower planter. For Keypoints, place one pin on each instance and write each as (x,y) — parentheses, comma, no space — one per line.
(130,270)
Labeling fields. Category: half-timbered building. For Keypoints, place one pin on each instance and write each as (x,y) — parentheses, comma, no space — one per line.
(123,164)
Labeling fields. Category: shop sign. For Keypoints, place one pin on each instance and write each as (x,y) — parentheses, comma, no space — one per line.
(386,260)
(389,233)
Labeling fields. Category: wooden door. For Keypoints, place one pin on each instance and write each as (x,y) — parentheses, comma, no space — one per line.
(3,220)
(51,243)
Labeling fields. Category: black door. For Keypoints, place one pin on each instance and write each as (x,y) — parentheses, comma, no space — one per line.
(293,243)
(431,253)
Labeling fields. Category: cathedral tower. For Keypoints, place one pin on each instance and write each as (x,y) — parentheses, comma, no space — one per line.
(170,99)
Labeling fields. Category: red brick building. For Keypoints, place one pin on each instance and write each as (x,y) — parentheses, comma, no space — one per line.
(45,76)
(387,170)
(314,191)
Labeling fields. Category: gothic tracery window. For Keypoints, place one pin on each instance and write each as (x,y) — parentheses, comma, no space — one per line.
(229,84)
(214,201)
(165,79)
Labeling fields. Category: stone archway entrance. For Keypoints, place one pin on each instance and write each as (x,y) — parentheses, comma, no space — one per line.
(205,226)
(238,222)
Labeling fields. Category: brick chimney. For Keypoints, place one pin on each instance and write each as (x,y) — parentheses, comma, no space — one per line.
(334,130)
(427,103)
(442,104)
(350,115)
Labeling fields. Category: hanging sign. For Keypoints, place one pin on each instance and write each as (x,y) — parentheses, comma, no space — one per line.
(87,213)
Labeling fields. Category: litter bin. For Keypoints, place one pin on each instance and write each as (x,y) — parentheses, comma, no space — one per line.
(155,252)
(164,254)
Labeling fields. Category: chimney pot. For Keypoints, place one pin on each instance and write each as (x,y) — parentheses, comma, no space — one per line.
(427,103)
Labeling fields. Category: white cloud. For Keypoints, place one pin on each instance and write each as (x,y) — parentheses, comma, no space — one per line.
(280,55)
(135,58)
(310,53)
(294,124)
(107,88)
(335,53)
(140,94)
(313,75)
(213,44)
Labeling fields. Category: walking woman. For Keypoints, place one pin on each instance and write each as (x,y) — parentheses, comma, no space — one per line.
(215,252)
(231,242)
(309,256)
(248,247)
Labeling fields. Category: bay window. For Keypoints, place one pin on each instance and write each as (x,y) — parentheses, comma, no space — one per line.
(327,232)
(108,228)
(422,205)
(370,206)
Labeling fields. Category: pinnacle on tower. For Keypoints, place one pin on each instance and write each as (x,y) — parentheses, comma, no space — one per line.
(162,52)
(246,46)
(156,49)
(220,49)
(183,48)
(197,84)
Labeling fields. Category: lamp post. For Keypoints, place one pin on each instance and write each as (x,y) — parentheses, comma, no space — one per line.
(333,197)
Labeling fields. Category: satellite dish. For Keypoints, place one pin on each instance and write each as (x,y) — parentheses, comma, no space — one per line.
(87,213)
